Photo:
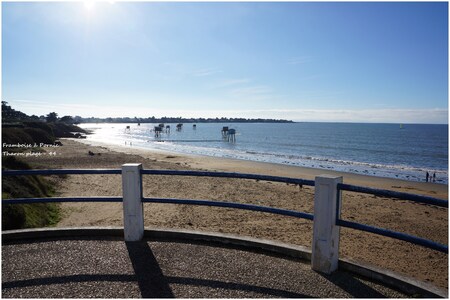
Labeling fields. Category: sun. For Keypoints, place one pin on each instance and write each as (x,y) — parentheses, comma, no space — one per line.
(89,5)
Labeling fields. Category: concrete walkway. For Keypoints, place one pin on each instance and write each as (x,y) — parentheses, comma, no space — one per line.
(112,268)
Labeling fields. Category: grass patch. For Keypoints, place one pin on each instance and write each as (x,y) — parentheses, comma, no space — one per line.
(16,216)
(18,128)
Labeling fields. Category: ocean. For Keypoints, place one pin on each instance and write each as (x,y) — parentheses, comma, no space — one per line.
(405,151)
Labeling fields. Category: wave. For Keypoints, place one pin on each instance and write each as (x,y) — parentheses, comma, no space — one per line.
(375,169)
(342,162)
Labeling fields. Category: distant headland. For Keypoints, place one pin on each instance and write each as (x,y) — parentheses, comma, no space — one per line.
(12,117)
(78,119)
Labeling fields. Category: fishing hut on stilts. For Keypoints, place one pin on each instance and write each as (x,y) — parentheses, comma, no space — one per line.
(231,135)
(158,131)
(224,132)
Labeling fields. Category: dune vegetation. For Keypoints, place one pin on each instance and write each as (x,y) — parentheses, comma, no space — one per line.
(23,133)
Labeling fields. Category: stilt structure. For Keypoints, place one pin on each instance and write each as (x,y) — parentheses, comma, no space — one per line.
(224,131)
(231,135)
(158,131)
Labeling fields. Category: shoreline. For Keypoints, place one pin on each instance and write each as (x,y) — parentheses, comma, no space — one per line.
(377,161)
(223,164)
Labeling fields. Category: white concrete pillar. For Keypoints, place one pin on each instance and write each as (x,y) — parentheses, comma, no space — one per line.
(325,246)
(133,215)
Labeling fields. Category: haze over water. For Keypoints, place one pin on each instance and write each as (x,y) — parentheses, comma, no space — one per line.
(384,150)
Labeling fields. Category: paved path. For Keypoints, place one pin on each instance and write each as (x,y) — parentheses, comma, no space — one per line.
(110,268)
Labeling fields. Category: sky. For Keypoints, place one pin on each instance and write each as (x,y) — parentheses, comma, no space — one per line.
(302,61)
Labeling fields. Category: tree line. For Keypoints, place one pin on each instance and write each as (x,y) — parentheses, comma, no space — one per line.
(177,120)
(10,115)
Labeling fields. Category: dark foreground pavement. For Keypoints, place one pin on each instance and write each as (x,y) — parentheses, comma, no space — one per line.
(110,268)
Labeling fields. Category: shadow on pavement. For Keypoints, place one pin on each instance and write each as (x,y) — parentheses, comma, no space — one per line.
(149,275)
(153,284)
(236,286)
(352,285)
(67,279)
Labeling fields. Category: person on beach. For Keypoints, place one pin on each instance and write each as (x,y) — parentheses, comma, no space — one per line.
(427,176)
(434,176)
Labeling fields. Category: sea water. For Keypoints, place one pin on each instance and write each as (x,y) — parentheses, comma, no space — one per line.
(388,150)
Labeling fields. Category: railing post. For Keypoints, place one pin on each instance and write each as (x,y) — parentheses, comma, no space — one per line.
(325,246)
(133,216)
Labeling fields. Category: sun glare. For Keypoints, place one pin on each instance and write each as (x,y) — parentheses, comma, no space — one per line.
(89,5)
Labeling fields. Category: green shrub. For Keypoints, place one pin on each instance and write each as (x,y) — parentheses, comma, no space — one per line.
(15,216)
(36,215)
(40,136)
(37,132)
(14,135)
(41,125)
(65,130)
(11,163)
(26,186)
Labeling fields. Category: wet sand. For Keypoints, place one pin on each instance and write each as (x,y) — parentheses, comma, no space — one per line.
(403,216)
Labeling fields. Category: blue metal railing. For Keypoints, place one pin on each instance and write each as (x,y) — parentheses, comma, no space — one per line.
(393,194)
(61,172)
(230,175)
(162,172)
(386,232)
(251,207)
(61,199)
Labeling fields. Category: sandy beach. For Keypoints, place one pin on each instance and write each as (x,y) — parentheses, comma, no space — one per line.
(421,220)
